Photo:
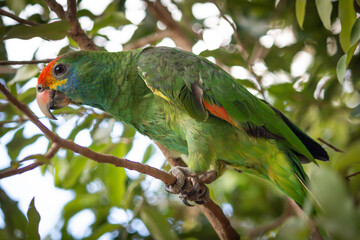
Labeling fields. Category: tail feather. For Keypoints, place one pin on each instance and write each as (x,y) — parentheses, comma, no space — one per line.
(314,148)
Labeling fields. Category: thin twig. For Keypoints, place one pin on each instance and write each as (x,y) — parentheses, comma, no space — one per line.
(5,62)
(242,50)
(98,157)
(352,175)
(330,145)
(18,19)
(14,171)
(256,232)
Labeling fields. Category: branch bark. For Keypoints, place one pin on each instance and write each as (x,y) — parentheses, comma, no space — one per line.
(4,62)
(75,32)
(18,19)
(177,32)
(67,144)
(210,209)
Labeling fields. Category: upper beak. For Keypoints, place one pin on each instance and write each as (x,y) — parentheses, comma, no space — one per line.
(50,99)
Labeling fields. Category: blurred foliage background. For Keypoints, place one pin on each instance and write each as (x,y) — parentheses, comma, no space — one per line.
(305,56)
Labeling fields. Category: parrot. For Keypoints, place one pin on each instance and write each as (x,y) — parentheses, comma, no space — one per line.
(190,106)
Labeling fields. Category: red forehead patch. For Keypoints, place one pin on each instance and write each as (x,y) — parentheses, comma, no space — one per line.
(45,77)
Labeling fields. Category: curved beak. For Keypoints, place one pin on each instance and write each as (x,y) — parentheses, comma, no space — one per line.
(50,99)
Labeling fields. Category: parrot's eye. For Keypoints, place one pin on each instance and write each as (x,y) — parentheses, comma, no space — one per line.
(60,69)
(39,88)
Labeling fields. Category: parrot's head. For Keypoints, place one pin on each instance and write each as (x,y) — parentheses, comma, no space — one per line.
(58,83)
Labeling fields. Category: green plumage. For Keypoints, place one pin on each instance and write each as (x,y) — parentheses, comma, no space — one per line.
(161,92)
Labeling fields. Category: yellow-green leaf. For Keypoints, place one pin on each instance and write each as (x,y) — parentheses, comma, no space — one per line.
(324,8)
(25,73)
(355,32)
(300,12)
(341,68)
(347,18)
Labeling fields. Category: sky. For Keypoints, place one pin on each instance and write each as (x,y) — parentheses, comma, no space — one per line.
(50,200)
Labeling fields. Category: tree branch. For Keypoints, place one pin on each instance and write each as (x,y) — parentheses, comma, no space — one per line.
(98,157)
(147,39)
(177,32)
(14,171)
(18,19)
(75,32)
(210,209)
(5,62)
(57,8)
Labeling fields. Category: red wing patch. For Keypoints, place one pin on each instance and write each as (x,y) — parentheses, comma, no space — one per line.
(219,112)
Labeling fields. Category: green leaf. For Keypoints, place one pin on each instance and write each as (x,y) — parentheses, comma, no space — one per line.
(347,18)
(350,157)
(148,153)
(32,229)
(157,224)
(39,157)
(114,19)
(300,12)
(334,206)
(16,5)
(324,8)
(25,73)
(15,220)
(355,32)
(51,31)
(355,113)
(349,54)
(102,229)
(341,68)
(75,170)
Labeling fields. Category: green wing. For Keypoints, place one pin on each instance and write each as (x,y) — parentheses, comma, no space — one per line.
(188,81)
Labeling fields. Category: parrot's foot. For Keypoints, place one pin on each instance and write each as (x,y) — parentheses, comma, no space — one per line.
(190,186)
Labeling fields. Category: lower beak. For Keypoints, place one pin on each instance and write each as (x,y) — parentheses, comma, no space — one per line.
(50,99)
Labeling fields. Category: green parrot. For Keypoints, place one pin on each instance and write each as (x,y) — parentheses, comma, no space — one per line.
(190,106)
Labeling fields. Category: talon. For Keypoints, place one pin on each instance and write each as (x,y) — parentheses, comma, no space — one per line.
(186,202)
(189,186)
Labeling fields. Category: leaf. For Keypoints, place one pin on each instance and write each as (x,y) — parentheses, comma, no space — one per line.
(324,8)
(347,18)
(50,31)
(300,12)
(355,113)
(157,224)
(102,229)
(341,68)
(355,32)
(16,5)
(39,157)
(336,208)
(15,220)
(148,153)
(32,229)
(349,54)
(114,19)
(25,73)
(350,157)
